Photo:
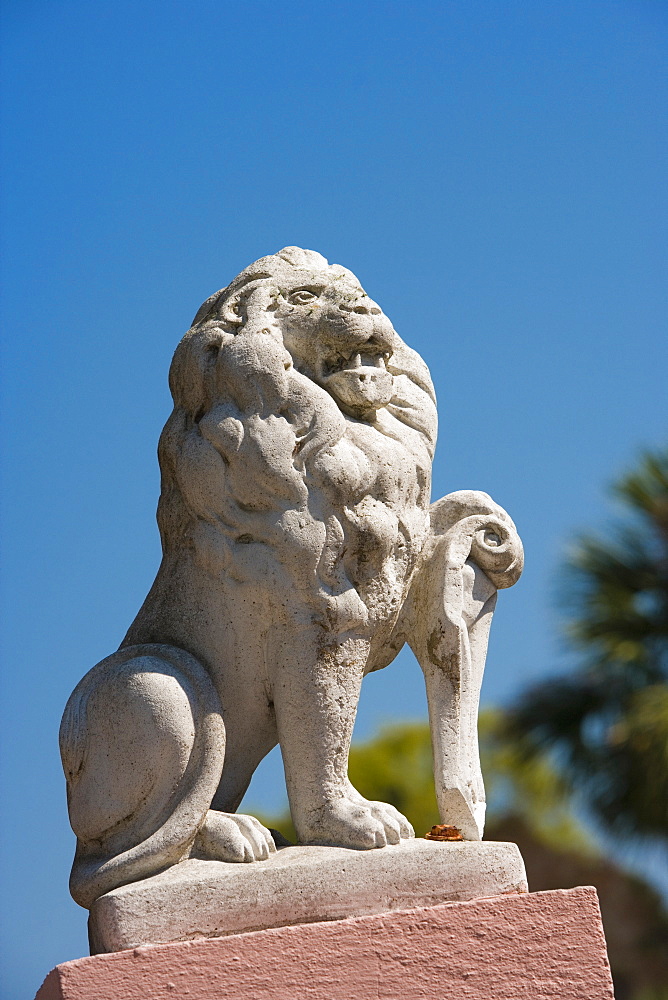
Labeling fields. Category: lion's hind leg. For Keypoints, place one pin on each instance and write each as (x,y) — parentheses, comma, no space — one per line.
(142,743)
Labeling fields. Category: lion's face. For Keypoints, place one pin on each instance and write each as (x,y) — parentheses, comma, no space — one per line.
(320,318)
(338,337)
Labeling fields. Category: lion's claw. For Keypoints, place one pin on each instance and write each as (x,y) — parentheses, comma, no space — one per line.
(355,822)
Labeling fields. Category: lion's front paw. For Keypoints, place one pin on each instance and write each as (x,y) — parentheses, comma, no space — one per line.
(233,837)
(390,817)
(358,824)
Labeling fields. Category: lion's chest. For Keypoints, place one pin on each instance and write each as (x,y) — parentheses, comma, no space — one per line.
(377,488)
(368,463)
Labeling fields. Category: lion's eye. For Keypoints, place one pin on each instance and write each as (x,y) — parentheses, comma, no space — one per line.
(302,296)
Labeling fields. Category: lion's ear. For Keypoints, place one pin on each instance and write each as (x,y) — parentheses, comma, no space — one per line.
(231,311)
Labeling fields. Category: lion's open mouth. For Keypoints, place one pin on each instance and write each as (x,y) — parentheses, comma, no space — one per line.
(360,383)
(358,359)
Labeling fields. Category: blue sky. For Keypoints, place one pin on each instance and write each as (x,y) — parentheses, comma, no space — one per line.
(494,172)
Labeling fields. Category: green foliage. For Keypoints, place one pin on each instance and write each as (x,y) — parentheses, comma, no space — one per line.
(526,787)
(396,767)
(608,721)
(616,587)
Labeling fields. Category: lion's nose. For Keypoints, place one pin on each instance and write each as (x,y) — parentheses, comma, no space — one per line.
(365,307)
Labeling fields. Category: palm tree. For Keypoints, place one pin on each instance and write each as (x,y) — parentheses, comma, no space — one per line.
(607,722)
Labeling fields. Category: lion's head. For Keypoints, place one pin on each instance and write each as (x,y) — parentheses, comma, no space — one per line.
(334,334)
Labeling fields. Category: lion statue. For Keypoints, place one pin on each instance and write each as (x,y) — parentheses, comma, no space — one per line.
(300,552)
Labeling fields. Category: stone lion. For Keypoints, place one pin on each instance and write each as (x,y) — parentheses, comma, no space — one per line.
(300,552)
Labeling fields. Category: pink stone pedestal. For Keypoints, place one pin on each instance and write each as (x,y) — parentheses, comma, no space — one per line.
(533,946)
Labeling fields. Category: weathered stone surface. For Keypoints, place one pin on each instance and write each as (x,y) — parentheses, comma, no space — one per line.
(535,946)
(300,552)
(299,885)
